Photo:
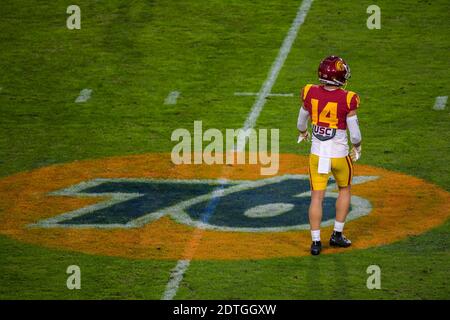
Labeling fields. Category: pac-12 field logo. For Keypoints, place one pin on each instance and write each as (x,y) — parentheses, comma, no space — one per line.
(146,207)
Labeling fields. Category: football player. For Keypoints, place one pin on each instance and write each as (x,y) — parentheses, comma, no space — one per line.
(332,111)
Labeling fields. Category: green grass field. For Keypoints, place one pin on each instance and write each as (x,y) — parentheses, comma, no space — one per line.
(133,53)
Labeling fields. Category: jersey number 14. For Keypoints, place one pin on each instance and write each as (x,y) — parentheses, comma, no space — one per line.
(327,115)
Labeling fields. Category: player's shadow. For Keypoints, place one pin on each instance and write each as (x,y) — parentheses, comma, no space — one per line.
(313,279)
(328,281)
(341,277)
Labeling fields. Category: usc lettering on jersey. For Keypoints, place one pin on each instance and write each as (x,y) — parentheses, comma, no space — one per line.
(328,111)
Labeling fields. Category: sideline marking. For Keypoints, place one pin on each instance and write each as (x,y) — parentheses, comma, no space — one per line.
(440,103)
(269,95)
(84,96)
(266,89)
(177,273)
(172,98)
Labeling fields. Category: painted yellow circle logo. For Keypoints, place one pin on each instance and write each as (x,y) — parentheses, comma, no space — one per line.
(145,207)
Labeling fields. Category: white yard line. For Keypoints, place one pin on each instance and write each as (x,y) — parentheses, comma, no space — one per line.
(266,87)
(176,275)
(440,103)
(269,95)
(84,96)
(172,98)
(182,265)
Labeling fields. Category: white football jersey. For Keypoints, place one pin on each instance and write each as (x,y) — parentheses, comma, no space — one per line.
(335,147)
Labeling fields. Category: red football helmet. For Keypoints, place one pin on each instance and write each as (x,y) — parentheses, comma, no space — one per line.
(334,71)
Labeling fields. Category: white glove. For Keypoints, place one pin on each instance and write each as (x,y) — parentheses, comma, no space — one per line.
(303,136)
(355,153)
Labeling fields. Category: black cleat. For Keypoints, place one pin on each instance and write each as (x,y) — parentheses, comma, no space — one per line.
(316,247)
(339,240)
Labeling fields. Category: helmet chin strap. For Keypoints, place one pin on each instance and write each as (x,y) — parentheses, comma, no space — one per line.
(333,83)
(329,82)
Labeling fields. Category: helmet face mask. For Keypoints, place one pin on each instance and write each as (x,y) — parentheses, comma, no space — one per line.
(334,71)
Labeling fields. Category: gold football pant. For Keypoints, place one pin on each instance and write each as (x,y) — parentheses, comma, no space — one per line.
(341,168)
